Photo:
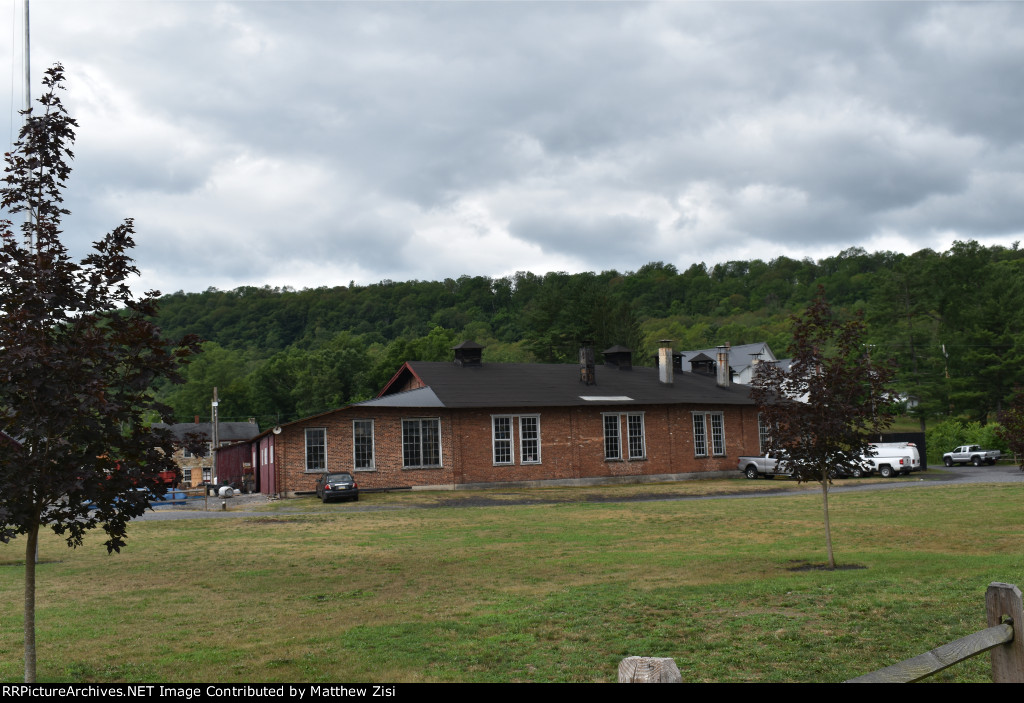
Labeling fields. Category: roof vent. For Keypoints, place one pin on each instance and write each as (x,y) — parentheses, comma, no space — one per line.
(702,364)
(618,357)
(468,353)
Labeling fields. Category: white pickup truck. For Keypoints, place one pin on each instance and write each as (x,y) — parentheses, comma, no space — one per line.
(887,464)
(899,449)
(971,453)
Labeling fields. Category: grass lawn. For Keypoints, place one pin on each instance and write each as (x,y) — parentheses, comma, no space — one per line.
(553,592)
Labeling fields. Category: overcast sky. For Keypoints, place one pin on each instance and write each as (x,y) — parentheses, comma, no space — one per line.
(315,143)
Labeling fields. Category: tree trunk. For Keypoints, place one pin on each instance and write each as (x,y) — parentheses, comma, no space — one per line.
(828,527)
(30,603)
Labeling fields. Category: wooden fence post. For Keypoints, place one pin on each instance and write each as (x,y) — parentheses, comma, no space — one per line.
(1002,601)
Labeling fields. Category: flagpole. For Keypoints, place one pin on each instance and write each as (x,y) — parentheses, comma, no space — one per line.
(28,76)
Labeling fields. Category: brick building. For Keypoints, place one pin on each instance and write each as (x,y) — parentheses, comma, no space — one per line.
(466,423)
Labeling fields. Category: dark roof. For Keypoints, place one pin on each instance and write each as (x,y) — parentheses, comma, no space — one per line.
(549,385)
(226,431)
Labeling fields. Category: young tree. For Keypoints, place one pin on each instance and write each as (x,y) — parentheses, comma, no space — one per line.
(830,403)
(78,354)
(1011,430)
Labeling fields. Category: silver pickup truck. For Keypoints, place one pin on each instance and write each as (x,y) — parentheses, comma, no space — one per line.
(971,453)
(756,466)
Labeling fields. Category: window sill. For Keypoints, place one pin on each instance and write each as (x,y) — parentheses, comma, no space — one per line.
(420,468)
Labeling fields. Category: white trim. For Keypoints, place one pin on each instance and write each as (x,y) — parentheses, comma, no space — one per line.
(440,447)
(306,468)
(522,442)
(508,444)
(643,438)
(373,446)
(624,448)
(708,434)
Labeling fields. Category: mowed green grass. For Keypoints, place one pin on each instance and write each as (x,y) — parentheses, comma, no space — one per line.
(555,592)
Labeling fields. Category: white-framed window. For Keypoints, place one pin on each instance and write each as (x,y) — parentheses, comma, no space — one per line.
(501,439)
(529,439)
(636,443)
(186,476)
(717,433)
(703,425)
(207,473)
(612,439)
(316,449)
(362,445)
(421,443)
(502,442)
(700,435)
(763,434)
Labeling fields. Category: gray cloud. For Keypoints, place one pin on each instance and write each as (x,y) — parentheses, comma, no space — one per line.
(308,143)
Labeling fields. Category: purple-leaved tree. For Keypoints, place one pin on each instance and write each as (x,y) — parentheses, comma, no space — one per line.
(78,356)
(1011,430)
(831,402)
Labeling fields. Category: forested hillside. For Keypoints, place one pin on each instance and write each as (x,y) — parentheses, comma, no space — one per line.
(953,321)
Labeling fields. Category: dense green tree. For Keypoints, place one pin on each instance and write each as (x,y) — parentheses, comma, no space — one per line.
(216,367)
(953,320)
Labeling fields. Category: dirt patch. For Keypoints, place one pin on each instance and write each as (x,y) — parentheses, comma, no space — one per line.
(271,520)
(484,502)
(808,566)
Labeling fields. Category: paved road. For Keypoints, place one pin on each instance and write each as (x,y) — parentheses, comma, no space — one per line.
(943,477)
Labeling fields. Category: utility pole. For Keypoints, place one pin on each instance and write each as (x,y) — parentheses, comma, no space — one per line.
(215,437)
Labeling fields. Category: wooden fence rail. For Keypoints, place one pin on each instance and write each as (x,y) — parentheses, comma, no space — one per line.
(1003,638)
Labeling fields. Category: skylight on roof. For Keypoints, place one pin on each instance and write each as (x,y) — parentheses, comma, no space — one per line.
(600,398)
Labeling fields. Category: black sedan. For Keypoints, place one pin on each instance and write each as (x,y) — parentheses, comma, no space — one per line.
(337,486)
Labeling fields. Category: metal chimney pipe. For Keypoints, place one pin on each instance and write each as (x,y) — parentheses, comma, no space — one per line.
(724,374)
(665,370)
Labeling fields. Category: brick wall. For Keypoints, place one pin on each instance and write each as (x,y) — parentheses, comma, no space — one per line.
(571,445)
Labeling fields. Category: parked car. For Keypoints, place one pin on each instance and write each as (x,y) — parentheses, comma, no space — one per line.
(337,486)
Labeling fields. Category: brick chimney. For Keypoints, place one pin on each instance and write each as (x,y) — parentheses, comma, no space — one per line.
(587,372)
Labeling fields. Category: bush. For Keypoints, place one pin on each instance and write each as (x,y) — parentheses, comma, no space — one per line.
(951,433)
